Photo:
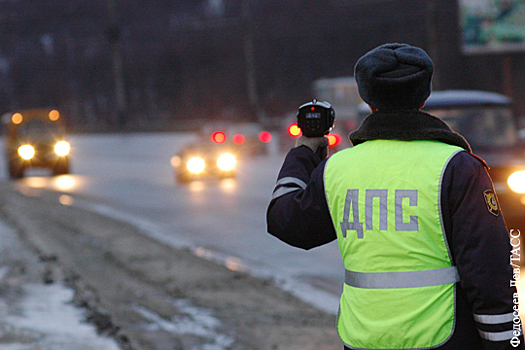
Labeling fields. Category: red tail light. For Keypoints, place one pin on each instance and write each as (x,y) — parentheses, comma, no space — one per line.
(238,139)
(265,136)
(218,137)
(333,140)
(294,130)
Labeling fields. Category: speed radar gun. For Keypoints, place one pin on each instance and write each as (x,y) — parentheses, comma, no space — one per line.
(316,118)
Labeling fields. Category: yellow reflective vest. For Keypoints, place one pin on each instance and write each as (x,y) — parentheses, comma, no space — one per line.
(384,199)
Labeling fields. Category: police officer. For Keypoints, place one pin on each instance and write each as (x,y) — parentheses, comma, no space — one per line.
(424,244)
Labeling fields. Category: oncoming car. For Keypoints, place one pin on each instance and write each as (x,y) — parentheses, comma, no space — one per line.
(36,138)
(204,160)
(488,123)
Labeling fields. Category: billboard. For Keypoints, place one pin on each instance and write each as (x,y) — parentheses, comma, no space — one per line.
(492,26)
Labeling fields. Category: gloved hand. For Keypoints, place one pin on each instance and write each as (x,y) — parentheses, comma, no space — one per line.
(319,145)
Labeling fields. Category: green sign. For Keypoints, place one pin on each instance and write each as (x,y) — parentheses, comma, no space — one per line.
(490,26)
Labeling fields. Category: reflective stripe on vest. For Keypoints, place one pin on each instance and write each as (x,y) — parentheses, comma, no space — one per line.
(384,198)
(404,279)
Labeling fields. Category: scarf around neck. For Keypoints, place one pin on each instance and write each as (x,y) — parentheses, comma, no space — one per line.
(409,125)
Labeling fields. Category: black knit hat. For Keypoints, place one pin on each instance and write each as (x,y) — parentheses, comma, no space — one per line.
(394,77)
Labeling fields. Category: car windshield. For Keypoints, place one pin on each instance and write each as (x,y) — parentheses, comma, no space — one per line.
(38,127)
(483,127)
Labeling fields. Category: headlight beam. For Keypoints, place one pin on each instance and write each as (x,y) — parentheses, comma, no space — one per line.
(26,152)
(196,165)
(226,162)
(516,181)
(62,148)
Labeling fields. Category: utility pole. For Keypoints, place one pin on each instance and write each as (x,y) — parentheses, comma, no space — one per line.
(251,80)
(113,33)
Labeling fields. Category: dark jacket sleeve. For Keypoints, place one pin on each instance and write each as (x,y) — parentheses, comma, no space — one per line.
(298,212)
(481,248)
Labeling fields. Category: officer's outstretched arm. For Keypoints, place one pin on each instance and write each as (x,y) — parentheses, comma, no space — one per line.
(298,212)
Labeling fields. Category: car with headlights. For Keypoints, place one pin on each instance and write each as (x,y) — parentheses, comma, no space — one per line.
(35,138)
(204,159)
(487,121)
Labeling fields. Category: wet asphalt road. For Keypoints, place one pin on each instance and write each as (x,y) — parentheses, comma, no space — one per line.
(130,177)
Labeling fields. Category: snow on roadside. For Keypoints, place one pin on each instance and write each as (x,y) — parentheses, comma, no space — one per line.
(194,320)
(35,315)
(49,321)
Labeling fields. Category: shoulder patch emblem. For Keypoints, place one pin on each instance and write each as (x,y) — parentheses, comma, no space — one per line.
(492,202)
